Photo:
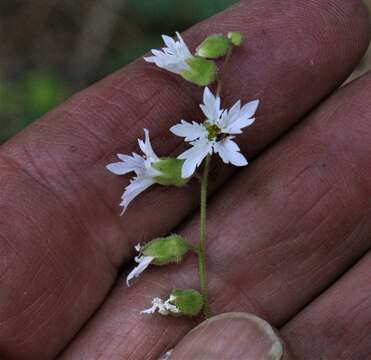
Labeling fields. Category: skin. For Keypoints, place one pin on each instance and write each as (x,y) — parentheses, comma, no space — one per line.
(288,236)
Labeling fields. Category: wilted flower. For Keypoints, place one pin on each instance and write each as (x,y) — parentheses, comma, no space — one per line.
(143,262)
(186,302)
(163,307)
(159,251)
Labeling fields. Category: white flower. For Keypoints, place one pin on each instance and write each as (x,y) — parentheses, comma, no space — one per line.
(143,263)
(163,307)
(141,165)
(173,57)
(216,134)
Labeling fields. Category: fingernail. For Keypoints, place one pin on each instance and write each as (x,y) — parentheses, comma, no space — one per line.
(231,336)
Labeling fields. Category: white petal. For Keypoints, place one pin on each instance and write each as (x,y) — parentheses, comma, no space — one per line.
(229,151)
(146,147)
(211,106)
(249,109)
(237,126)
(169,41)
(193,157)
(118,168)
(189,131)
(137,186)
(143,263)
(150,310)
(150,59)
(129,163)
(234,120)
(183,46)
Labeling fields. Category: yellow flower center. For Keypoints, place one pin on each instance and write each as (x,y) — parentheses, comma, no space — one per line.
(213,131)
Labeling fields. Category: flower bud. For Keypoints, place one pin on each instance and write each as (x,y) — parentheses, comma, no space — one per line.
(202,72)
(189,302)
(236,38)
(171,172)
(167,250)
(214,46)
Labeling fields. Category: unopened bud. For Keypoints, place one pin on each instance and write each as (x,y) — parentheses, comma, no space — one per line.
(236,38)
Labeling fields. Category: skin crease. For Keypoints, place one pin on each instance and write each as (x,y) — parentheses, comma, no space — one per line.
(59,262)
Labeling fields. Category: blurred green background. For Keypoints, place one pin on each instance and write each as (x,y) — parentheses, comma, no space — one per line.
(50,49)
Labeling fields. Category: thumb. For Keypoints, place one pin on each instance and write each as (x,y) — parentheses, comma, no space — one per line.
(231,336)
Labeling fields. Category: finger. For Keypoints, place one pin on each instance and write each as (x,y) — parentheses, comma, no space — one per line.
(278,234)
(61,235)
(338,324)
(231,336)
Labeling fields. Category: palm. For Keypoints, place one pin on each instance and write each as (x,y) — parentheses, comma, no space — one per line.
(280,232)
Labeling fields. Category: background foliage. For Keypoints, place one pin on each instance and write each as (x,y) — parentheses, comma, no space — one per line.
(51,49)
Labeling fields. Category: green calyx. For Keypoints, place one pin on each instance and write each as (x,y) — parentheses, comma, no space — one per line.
(171,172)
(202,72)
(214,47)
(236,38)
(167,250)
(188,301)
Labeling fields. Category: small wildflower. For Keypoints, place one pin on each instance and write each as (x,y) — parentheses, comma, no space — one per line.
(142,166)
(177,58)
(173,57)
(149,169)
(215,134)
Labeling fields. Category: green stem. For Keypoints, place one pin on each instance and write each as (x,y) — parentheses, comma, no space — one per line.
(226,61)
(202,248)
(204,184)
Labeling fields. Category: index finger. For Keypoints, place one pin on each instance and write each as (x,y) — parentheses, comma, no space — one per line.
(62,239)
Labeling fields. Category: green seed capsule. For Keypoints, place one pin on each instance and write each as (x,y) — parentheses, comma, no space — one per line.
(167,250)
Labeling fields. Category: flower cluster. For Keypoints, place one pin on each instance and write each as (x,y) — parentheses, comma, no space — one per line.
(215,134)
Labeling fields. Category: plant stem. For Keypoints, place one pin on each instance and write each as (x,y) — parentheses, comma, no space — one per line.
(204,185)
(202,249)
(226,61)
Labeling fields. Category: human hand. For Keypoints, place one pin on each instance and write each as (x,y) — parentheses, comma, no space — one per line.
(281,232)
